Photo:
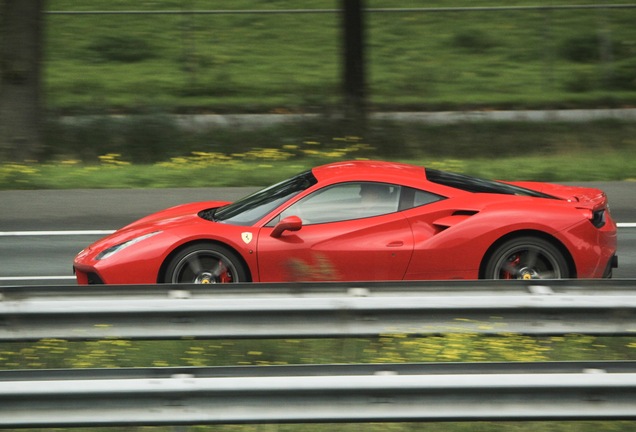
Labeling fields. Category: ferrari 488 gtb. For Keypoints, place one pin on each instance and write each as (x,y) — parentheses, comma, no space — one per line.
(366,221)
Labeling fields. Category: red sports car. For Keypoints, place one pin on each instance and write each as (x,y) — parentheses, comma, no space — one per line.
(363,221)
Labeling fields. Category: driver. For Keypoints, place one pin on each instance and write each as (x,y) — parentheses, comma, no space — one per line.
(372,194)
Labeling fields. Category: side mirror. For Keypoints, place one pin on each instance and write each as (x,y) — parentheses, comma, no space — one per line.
(290,223)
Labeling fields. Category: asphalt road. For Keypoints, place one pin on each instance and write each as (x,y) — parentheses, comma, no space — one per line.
(33,250)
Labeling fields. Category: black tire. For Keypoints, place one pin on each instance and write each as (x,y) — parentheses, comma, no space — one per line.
(527,258)
(204,263)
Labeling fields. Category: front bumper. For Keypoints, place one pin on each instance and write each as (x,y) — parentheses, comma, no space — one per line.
(87,278)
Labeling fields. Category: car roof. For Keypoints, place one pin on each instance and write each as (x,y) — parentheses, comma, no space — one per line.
(370,170)
(440,182)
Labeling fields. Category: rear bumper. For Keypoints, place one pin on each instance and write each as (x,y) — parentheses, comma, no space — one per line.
(611,265)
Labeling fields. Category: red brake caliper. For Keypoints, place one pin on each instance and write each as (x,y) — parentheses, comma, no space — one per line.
(512,263)
(224,275)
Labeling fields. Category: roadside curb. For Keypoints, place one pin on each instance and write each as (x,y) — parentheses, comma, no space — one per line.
(255,121)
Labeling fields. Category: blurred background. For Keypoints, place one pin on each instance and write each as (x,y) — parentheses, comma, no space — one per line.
(120,82)
(287,56)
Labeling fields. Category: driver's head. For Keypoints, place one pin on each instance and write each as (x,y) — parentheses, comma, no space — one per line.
(373,192)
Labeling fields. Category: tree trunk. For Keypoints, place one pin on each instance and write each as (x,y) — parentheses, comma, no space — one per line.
(354,84)
(21,27)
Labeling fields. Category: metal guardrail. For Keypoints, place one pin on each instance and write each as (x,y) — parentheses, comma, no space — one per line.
(341,393)
(318,310)
(334,11)
(311,393)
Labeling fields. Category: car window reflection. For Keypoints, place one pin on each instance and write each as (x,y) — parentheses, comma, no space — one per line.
(346,201)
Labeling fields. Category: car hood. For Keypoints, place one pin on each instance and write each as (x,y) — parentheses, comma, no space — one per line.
(174,214)
(162,220)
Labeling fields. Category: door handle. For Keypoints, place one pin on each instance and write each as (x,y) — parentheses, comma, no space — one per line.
(397,243)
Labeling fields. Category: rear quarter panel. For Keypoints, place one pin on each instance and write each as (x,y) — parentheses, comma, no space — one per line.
(456,251)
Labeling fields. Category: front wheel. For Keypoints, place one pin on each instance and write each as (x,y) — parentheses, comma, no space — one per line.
(205,263)
(527,258)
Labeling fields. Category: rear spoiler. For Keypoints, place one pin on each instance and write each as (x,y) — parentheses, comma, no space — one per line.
(583,197)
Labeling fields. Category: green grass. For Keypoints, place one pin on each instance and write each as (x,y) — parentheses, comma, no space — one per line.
(416,60)
(153,152)
(185,173)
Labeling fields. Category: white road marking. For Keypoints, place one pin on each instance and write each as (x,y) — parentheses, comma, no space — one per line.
(54,233)
(106,232)
(30,278)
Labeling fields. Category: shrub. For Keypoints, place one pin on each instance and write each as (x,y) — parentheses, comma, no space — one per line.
(120,48)
(594,47)
(580,82)
(473,40)
(623,76)
(582,48)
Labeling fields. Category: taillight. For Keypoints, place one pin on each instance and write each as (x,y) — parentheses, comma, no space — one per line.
(598,218)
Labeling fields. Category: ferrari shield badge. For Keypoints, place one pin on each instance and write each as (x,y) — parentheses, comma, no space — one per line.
(247,237)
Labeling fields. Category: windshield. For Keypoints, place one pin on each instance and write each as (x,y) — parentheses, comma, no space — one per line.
(253,208)
(473,184)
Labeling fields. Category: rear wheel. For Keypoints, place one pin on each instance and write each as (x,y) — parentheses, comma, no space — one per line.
(205,263)
(527,258)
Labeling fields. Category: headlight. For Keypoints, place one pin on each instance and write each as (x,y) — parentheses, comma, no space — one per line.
(114,249)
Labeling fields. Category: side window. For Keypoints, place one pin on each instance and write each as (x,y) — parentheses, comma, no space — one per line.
(415,198)
(346,201)
(423,197)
